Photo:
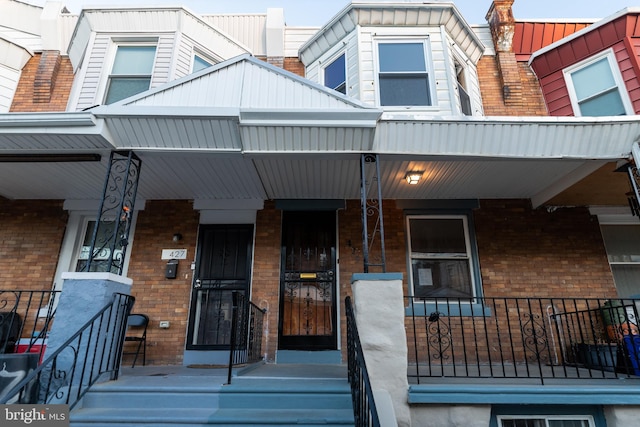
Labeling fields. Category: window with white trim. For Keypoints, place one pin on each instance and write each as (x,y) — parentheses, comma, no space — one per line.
(463,94)
(596,87)
(546,421)
(403,73)
(622,242)
(131,72)
(335,74)
(441,256)
(200,63)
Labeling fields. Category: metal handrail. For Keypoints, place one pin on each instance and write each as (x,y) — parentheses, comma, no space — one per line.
(364,405)
(25,319)
(246,333)
(532,338)
(95,349)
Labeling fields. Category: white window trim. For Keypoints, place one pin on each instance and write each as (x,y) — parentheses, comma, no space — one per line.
(547,418)
(617,77)
(469,251)
(330,60)
(426,43)
(110,58)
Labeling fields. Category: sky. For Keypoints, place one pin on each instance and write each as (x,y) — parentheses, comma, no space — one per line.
(319,12)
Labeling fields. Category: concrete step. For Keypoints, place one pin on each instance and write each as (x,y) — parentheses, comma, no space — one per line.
(174,400)
(107,417)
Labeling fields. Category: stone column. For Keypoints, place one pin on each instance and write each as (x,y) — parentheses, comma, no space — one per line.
(378,302)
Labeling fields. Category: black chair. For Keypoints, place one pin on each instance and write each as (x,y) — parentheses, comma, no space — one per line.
(10,327)
(137,333)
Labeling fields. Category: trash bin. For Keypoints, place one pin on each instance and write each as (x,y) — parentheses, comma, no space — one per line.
(14,368)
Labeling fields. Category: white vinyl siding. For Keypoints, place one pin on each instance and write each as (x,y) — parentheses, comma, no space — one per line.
(8,84)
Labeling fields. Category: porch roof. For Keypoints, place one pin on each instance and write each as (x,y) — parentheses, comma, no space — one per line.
(246,130)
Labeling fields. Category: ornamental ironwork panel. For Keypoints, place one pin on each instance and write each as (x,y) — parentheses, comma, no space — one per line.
(372,222)
(111,232)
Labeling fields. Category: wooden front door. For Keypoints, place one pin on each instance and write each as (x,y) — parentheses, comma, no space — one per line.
(308,282)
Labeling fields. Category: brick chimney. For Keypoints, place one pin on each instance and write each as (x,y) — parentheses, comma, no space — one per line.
(46,76)
(503,25)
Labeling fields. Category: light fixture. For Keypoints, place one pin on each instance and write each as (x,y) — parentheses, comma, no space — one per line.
(177,237)
(413,177)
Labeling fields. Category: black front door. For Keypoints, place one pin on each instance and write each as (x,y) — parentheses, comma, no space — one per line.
(308,282)
(223,265)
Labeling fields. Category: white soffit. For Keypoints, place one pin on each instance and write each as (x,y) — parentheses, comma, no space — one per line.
(394,14)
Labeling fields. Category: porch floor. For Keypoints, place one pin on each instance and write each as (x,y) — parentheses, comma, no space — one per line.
(515,374)
(261,370)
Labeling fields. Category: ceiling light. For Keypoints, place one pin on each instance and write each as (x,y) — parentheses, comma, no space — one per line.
(413,177)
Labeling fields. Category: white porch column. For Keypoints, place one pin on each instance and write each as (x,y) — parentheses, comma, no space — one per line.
(379,307)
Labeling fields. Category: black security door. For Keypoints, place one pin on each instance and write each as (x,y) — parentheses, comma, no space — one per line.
(308,282)
(223,265)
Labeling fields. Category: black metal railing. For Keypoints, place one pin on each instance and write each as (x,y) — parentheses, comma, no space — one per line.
(247,320)
(364,406)
(536,338)
(25,320)
(90,354)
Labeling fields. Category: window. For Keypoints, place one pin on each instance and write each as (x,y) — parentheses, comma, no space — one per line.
(465,100)
(622,242)
(546,421)
(596,88)
(442,264)
(403,79)
(335,76)
(131,72)
(199,63)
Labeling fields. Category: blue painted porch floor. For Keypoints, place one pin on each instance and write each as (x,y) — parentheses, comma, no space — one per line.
(267,394)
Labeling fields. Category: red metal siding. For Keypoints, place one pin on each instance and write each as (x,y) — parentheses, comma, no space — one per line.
(622,35)
(532,36)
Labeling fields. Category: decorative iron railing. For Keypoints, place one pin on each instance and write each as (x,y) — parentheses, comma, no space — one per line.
(247,321)
(364,406)
(94,351)
(534,338)
(25,320)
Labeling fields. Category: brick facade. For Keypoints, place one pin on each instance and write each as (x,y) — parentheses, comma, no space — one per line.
(528,252)
(531,104)
(45,84)
(30,239)
(156,296)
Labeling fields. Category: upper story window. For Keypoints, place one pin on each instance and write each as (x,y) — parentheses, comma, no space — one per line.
(465,99)
(131,72)
(596,87)
(335,75)
(199,63)
(441,256)
(403,76)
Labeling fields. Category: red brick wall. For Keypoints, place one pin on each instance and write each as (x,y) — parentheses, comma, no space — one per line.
(528,252)
(30,238)
(294,65)
(532,102)
(37,94)
(156,296)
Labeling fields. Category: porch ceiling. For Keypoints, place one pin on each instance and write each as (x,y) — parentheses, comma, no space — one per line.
(226,176)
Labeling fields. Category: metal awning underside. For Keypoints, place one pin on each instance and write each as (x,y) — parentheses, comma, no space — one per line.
(245,130)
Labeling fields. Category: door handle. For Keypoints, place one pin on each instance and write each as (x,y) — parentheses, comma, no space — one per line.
(198,283)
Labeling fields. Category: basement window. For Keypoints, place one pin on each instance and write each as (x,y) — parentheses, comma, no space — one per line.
(545,421)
